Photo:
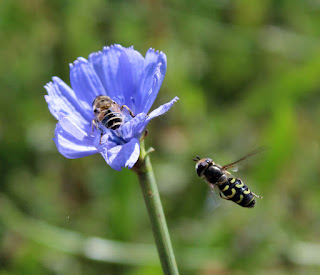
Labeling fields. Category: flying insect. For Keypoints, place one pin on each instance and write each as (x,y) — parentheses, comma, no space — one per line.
(230,188)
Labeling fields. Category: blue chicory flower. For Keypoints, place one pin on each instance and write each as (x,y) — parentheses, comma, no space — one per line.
(128,79)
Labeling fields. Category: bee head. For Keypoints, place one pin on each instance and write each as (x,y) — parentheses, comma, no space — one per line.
(102,101)
(202,165)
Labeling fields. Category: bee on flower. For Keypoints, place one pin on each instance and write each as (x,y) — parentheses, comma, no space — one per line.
(107,109)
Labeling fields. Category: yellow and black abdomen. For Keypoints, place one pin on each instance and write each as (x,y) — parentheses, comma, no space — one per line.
(238,192)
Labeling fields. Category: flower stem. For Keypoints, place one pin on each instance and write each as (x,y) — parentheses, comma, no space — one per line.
(152,200)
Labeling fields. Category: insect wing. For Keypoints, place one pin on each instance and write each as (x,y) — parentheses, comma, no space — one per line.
(126,114)
(212,202)
(235,168)
(236,163)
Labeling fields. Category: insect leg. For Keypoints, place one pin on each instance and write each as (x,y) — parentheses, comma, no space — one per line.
(128,109)
(256,195)
(212,186)
(93,124)
(144,135)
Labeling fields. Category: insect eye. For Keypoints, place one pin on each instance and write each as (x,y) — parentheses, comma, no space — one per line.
(200,167)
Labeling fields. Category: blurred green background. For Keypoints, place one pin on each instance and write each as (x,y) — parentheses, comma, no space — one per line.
(247,74)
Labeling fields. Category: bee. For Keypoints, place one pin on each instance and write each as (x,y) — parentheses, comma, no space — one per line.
(229,188)
(108,113)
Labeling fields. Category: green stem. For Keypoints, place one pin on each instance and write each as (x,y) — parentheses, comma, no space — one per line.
(152,200)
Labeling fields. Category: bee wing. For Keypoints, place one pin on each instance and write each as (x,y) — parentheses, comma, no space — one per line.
(126,114)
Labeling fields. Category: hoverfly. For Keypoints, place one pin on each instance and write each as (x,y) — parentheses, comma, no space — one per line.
(230,188)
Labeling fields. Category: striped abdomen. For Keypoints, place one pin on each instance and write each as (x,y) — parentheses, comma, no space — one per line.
(111,120)
(238,192)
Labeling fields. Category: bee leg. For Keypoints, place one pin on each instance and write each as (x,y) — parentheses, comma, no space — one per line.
(93,124)
(256,195)
(128,109)
(101,138)
(144,135)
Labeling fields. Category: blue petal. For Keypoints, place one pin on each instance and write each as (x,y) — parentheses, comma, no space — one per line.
(85,82)
(142,124)
(161,109)
(62,99)
(70,125)
(71,141)
(118,156)
(132,129)
(119,70)
(153,74)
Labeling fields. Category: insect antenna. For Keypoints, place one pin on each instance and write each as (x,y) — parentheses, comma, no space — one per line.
(197,158)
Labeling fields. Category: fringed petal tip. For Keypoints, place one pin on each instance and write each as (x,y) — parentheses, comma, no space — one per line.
(175,99)
(106,49)
(78,61)
(117,46)
(56,81)
(157,53)
(111,47)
